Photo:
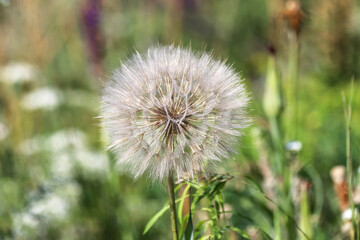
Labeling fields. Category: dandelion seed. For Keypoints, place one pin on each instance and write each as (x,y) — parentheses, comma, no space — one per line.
(171,110)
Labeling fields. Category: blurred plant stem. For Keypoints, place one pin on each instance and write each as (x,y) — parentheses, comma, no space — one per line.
(172,205)
(9,103)
(275,22)
(282,165)
(174,16)
(294,16)
(273,104)
(91,14)
(292,87)
(274,6)
(348,109)
(277,224)
(305,215)
(214,220)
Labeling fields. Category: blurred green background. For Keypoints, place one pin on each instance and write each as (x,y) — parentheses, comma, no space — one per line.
(56,179)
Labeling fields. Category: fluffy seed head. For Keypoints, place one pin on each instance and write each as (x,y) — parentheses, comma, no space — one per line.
(172,110)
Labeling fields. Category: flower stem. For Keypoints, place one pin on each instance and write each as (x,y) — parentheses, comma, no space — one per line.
(348,108)
(172,205)
(293,86)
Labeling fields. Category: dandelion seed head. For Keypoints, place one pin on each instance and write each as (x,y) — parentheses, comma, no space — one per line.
(173,110)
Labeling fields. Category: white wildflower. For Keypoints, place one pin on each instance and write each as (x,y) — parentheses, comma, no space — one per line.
(52,207)
(43,98)
(92,163)
(347,214)
(62,166)
(57,142)
(18,72)
(24,222)
(294,146)
(173,110)
(68,149)
(67,138)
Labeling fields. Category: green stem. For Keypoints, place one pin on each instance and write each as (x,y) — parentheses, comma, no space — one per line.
(293,86)
(277,225)
(278,145)
(348,108)
(172,205)
(349,164)
(213,220)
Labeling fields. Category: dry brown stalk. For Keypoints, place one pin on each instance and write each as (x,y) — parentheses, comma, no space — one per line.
(294,15)
(338,176)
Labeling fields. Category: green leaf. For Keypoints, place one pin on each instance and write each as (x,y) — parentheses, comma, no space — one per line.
(217,210)
(263,233)
(204,191)
(154,219)
(216,189)
(206,237)
(182,228)
(199,226)
(220,199)
(182,199)
(189,232)
(194,185)
(206,209)
(255,183)
(242,233)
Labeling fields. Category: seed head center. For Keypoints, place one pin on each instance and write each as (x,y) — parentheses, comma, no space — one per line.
(172,120)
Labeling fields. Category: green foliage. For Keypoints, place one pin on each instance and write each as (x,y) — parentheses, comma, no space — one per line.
(156,217)
(207,198)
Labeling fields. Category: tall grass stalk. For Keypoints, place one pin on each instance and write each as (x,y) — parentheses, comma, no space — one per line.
(305,215)
(348,109)
(273,103)
(293,86)
(277,224)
